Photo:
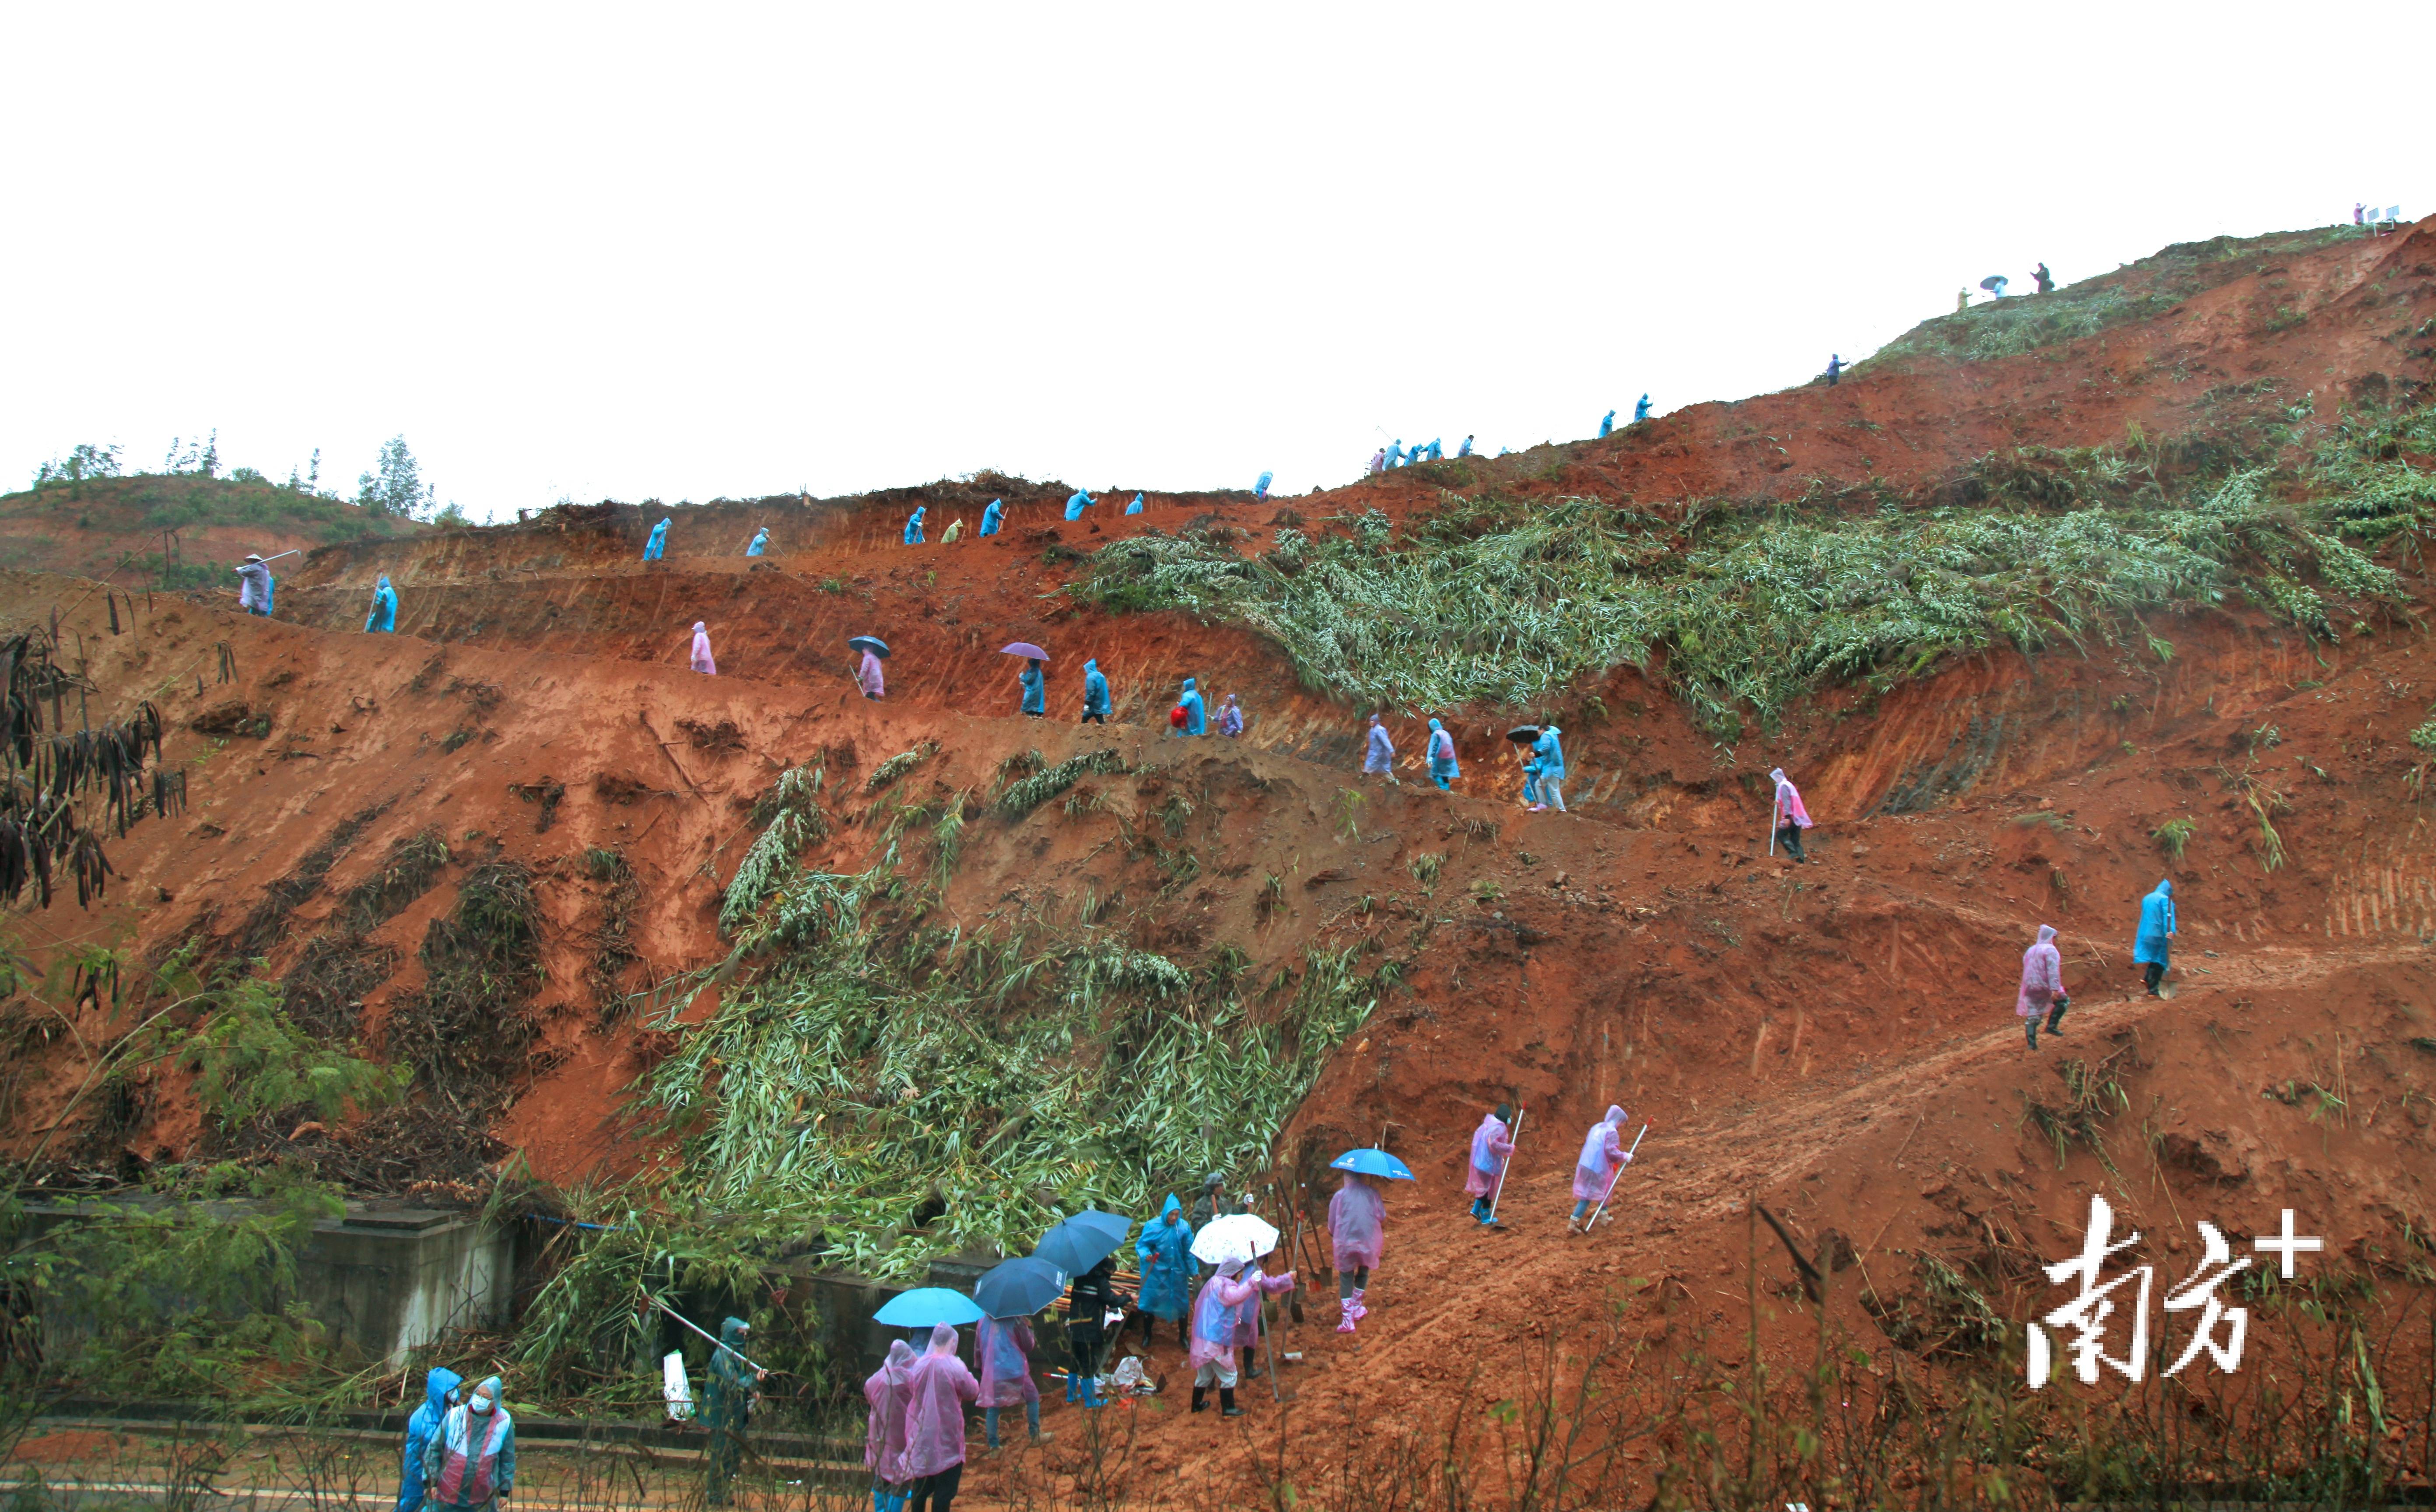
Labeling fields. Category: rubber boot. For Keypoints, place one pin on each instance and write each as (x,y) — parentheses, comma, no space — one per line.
(1346,1317)
(2055,1017)
(1359,1310)
(1226,1407)
(1091,1392)
(2031,1028)
(1073,1387)
(1200,1398)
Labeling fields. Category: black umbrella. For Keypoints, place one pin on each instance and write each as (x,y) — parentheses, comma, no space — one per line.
(1524,734)
(1019,1286)
(1994,283)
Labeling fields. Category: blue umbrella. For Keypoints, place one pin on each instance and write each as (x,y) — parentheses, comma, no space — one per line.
(1116,1225)
(1373,1163)
(927,1305)
(1021,1287)
(1074,1247)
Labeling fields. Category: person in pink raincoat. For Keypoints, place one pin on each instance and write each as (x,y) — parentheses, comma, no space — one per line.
(869,678)
(1230,719)
(1248,1321)
(1604,1158)
(1789,818)
(1489,1149)
(2042,991)
(936,1390)
(702,662)
(1005,1349)
(883,1444)
(1215,1320)
(1357,1230)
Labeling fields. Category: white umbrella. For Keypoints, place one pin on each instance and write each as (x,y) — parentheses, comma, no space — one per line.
(1236,1236)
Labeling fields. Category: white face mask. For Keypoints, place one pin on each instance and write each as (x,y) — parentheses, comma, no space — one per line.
(479,1405)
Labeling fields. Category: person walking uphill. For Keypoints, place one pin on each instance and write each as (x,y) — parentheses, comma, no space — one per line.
(654,549)
(439,1395)
(1197,717)
(913,526)
(937,1388)
(1035,688)
(1603,1159)
(760,543)
(727,1392)
(991,517)
(1444,768)
(383,620)
(1607,425)
(1006,1350)
(471,1462)
(1788,817)
(702,661)
(1357,1237)
(1490,1148)
(1165,1257)
(883,1442)
(2042,991)
(1379,752)
(1077,503)
(2153,948)
(1550,752)
(1095,694)
(1230,719)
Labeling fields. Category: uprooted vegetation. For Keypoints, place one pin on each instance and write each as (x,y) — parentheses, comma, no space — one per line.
(1491,603)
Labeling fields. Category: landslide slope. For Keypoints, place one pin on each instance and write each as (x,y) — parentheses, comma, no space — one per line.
(1833,1039)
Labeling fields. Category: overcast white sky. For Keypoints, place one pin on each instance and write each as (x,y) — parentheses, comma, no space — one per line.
(692,250)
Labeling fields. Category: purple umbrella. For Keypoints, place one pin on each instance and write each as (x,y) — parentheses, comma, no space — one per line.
(1024,648)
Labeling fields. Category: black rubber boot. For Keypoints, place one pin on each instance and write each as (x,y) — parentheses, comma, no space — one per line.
(1226,1407)
(2055,1017)
(1200,1398)
(2031,1027)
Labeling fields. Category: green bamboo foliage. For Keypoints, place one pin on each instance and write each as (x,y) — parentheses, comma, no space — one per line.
(1752,614)
(840,1095)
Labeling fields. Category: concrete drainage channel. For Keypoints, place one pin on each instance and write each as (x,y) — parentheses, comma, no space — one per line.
(810,1462)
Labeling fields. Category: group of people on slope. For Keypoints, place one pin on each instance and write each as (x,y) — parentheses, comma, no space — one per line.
(2042,997)
(1596,1170)
(1543,770)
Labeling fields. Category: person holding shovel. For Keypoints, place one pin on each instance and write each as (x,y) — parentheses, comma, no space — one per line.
(254,585)
(1603,1161)
(1492,1145)
(1357,1231)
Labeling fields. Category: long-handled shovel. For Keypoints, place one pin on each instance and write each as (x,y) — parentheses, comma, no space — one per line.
(1500,1193)
(1618,1176)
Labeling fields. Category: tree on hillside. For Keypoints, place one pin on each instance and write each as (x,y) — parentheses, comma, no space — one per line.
(82,463)
(396,486)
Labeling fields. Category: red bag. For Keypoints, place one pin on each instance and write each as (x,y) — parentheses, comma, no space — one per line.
(1175,717)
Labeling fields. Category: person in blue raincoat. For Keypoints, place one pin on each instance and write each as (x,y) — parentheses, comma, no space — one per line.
(470,1464)
(1379,751)
(913,526)
(1641,411)
(1095,694)
(1165,1252)
(2150,948)
(383,620)
(1134,508)
(1197,719)
(1607,423)
(1396,452)
(1036,688)
(1444,768)
(654,549)
(1077,503)
(1464,450)
(991,516)
(1261,489)
(760,542)
(439,1395)
(1550,752)
(1437,449)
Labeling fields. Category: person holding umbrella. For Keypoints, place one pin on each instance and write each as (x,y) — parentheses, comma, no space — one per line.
(1357,1235)
(1005,1349)
(1165,1255)
(867,675)
(1035,689)
(937,1388)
